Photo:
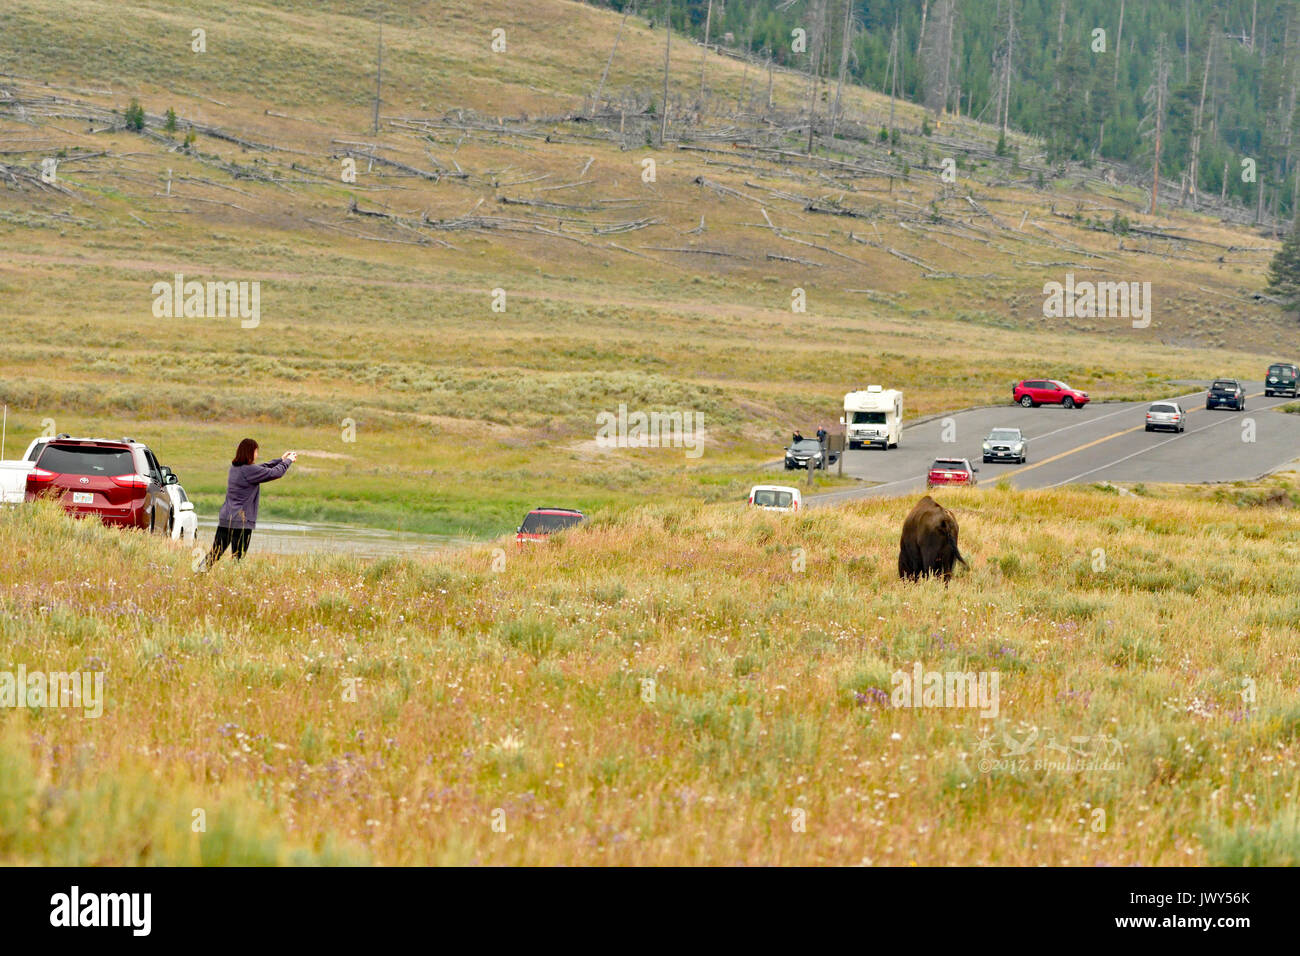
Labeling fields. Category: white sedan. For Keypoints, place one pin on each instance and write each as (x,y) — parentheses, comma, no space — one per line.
(775,498)
(184,522)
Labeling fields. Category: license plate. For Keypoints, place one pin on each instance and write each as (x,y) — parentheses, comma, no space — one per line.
(83,498)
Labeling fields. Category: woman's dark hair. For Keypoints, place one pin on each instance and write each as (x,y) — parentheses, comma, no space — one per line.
(244,453)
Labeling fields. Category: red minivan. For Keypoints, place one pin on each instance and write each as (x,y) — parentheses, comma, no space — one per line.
(119,481)
(1033,392)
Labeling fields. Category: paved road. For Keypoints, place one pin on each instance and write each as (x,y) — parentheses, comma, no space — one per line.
(1099,442)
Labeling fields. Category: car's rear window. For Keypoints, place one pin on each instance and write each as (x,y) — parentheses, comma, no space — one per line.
(86,460)
(773,499)
(545,524)
(1163,408)
(1224,383)
(1284,371)
(949,464)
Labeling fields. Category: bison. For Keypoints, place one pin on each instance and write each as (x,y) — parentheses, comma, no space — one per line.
(929,542)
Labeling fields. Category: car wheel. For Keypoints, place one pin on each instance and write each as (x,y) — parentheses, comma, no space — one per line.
(1023,459)
(1068,402)
(171,523)
(1148,428)
(986,459)
(1027,402)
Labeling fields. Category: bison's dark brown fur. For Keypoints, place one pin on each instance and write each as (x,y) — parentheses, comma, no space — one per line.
(929,542)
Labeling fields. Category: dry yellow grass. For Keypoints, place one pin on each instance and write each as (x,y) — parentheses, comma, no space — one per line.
(519,697)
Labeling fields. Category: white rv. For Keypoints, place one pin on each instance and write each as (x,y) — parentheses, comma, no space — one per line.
(873,416)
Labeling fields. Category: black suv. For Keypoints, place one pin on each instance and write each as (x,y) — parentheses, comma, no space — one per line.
(1281,379)
(1226,391)
(807,453)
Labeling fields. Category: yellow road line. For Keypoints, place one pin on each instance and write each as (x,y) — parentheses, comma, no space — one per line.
(1066,454)
(1098,441)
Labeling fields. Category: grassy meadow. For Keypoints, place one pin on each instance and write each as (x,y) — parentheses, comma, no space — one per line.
(333,710)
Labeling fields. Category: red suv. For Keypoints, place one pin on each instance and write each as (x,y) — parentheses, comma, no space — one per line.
(1033,392)
(541,522)
(950,471)
(119,481)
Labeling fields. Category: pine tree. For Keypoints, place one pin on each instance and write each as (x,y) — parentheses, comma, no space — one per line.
(134,115)
(1284,272)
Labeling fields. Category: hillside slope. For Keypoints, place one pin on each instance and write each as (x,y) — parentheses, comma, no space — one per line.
(490,172)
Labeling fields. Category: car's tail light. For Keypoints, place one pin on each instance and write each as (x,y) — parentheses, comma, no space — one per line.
(39,476)
(131,481)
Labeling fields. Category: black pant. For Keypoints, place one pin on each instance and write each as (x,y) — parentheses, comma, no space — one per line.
(234,538)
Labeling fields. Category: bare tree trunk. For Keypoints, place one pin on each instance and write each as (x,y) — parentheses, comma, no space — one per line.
(1254,16)
(1155,175)
(893,79)
(1287,119)
(844,62)
(1006,66)
(947,60)
(1187,41)
(920,41)
(818,44)
(379,76)
(708,23)
(600,87)
(668,43)
(1119,39)
(1195,171)
(1162,78)
(743,97)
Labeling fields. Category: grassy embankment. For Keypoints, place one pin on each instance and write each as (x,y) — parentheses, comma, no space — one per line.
(522,691)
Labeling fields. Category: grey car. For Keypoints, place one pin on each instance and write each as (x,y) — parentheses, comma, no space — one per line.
(1006,444)
(1168,415)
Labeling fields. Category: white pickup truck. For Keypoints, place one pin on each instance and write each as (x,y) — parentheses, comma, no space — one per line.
(13,473)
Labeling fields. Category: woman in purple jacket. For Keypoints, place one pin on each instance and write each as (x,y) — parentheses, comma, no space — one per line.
(243,491)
